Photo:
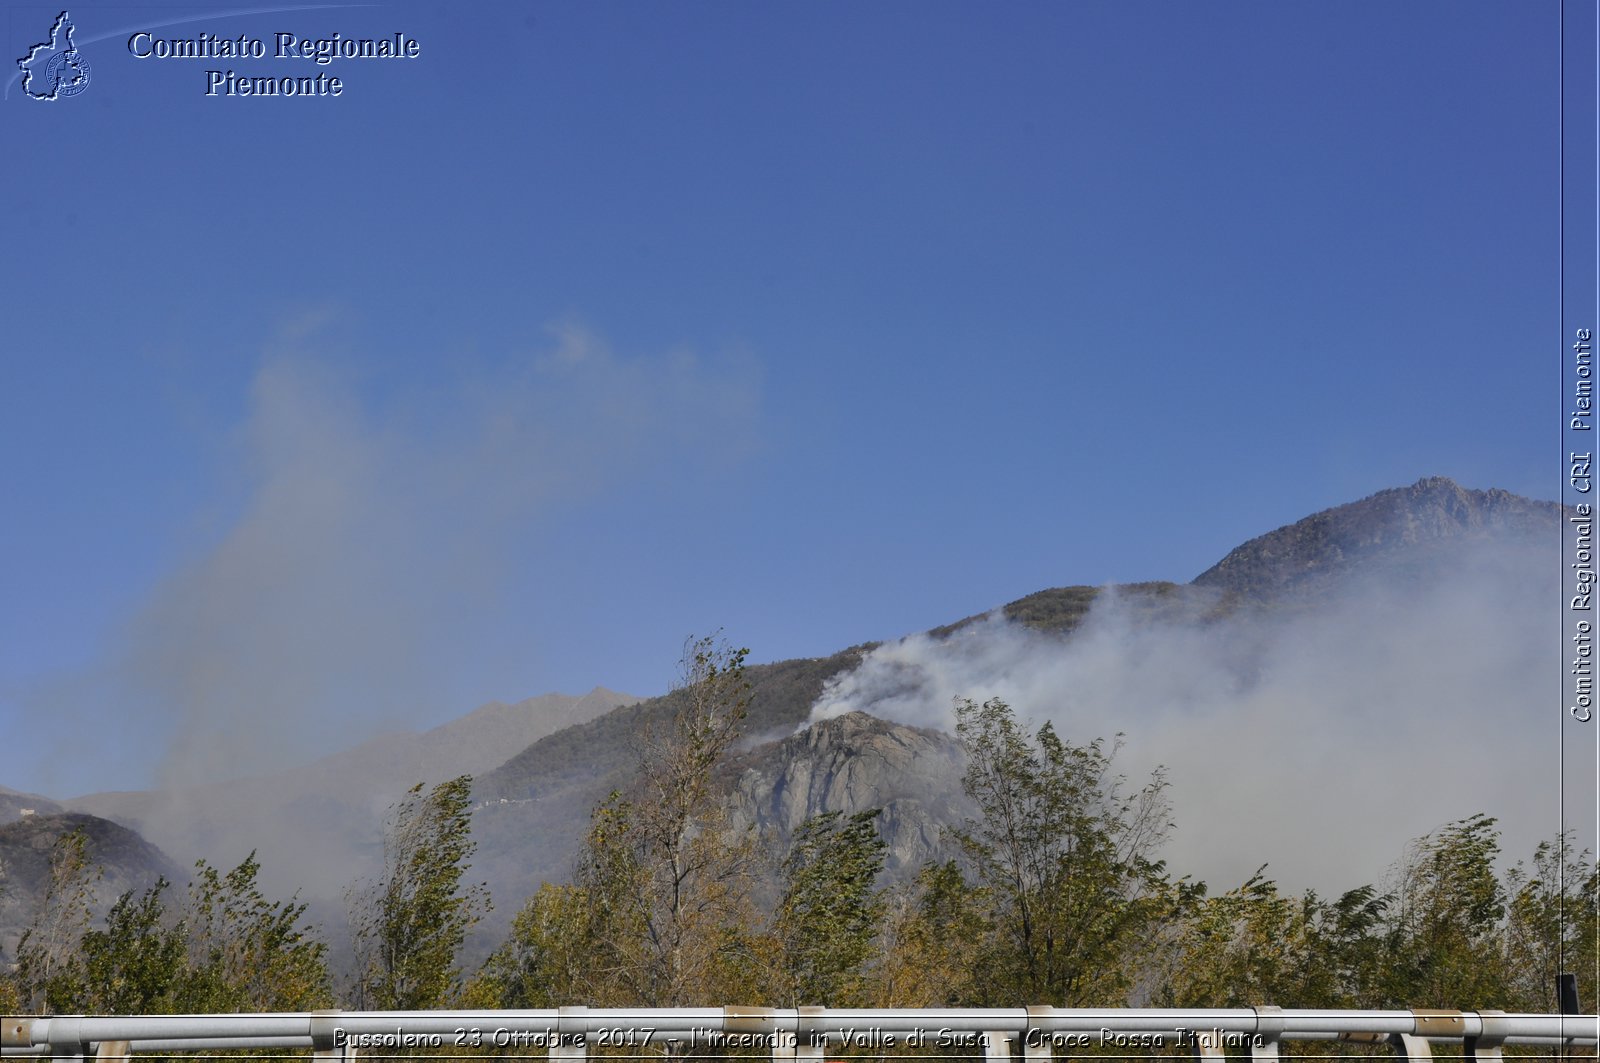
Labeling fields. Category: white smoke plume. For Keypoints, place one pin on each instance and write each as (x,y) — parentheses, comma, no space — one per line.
(1317,739)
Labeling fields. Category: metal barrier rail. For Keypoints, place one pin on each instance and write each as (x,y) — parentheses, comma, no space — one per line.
(794,1035)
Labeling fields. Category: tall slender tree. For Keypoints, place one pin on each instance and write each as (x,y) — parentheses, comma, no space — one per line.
(49,964)
(1445,943)
(665,883)
(410,925)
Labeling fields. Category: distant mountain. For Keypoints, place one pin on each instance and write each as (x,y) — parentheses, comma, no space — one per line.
(126,861)
(1398,534)
(1393,534)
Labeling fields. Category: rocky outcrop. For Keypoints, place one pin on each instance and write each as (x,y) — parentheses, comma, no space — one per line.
(851,763)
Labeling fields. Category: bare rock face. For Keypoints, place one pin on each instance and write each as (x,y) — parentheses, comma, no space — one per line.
(852,763)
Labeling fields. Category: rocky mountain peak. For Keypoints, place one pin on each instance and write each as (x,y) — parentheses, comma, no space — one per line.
(1432,514)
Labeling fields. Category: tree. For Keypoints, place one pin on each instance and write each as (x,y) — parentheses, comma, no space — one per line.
(49,969)
(246,953)
(410,925)
(1346,950)
(1068,861)
(1551,925)
(1444,940)
(933,932)
(1253,945)
(666,883)
(549,958)
(135,966)
(827,921)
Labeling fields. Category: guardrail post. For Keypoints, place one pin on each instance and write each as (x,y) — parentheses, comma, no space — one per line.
(1036,1046)
(114,1052)
(1486,1045)
(997,1046)
(66,1040)
(326,1044)
(1411,1047)
(810,1045)
(1426,1023)
(572,1038)
(1205,1044)
(1269,1027)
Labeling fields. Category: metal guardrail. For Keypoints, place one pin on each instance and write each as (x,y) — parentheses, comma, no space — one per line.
(794,1035)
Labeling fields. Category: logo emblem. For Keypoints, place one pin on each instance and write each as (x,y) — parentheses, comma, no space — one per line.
(55,69)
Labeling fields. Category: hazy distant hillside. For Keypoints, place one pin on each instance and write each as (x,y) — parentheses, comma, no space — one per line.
(13,802)
(1282,688)
(127,861)
(1060,610)
(315,826)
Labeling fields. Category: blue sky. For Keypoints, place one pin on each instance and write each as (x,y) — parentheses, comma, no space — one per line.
(600,324)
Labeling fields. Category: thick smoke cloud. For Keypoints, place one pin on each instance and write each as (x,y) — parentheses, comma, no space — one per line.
(1317,738)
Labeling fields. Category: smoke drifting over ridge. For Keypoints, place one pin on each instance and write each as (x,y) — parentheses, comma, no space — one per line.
(364,553)
(1317,736)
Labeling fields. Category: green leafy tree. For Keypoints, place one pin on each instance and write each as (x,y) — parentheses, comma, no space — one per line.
(246,953)
(828,920)
(1445,942)
(136,965)
(931,935)
(670,846)
(665,904)
(410,925)
(1346,950)
(549,958)
(1074,889)
(1238,949)
(1551,925)
(1254,945)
